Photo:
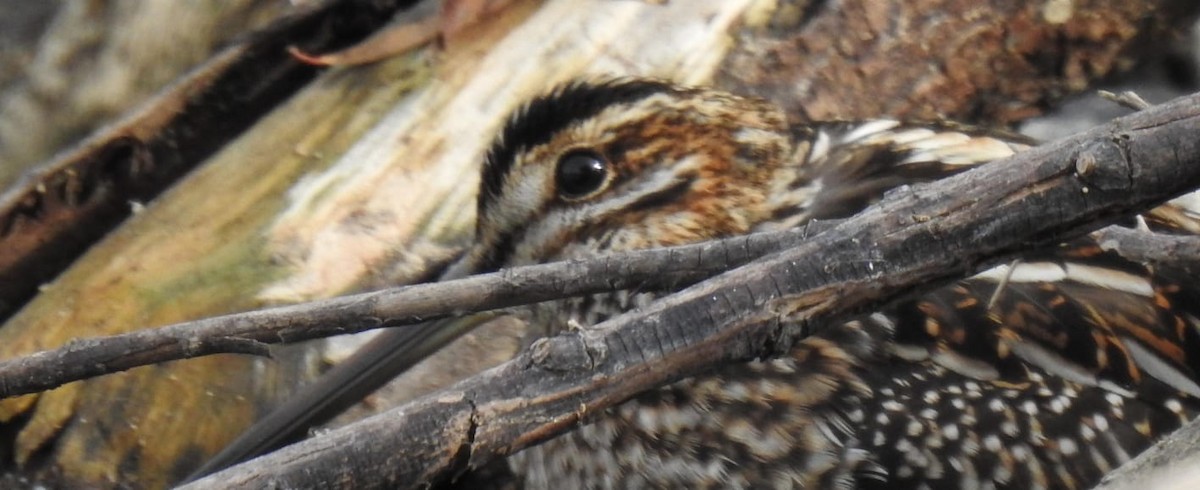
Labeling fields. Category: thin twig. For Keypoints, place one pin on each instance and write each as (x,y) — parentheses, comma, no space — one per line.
(1153,249)
(251,332)
(1012,267)
(1127,99)
(247,333)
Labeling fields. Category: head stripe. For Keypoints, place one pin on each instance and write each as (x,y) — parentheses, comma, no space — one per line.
(539,120)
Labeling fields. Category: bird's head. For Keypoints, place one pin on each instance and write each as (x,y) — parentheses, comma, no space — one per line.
(624,164)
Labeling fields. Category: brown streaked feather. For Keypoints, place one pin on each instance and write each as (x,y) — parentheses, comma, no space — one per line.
(846,166)
(1045,373)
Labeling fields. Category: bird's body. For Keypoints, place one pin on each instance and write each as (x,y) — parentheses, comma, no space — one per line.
(1046,373)
(1079,363)
(853,409)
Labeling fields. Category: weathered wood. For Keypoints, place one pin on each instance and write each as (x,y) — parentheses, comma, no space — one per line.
(196,252)
(80,65)
(55,211)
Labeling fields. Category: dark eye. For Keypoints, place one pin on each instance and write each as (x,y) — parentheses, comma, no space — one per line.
(580,173)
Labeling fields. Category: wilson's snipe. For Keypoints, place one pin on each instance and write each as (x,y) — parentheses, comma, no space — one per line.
(1081,361)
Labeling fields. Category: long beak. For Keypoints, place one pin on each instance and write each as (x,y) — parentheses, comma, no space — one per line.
(384,357)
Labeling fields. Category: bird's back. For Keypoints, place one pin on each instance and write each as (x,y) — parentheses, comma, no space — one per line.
(1044,373)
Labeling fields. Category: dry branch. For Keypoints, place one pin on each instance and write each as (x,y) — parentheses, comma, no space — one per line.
(248,333)
(917,237)
(1154,249)
(667,268)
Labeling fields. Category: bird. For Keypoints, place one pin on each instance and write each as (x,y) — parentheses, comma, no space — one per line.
(1047,372)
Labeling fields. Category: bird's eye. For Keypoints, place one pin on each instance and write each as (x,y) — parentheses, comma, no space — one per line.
(580,173)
